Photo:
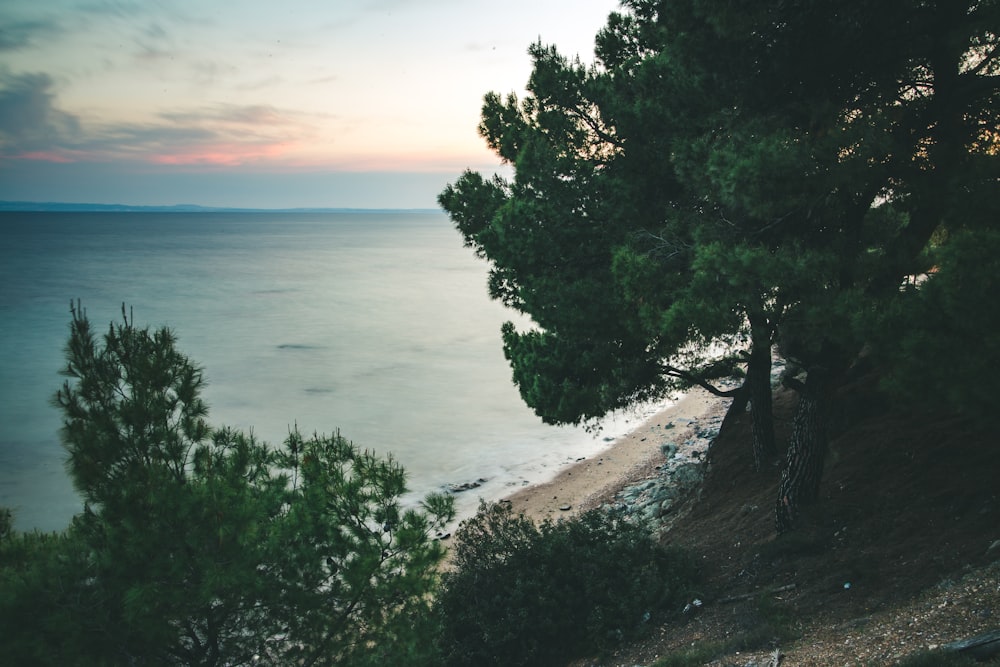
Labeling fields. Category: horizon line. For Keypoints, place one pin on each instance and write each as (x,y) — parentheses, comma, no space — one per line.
(80,207)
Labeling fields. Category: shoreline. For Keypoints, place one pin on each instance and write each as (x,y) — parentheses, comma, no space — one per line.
(636,456)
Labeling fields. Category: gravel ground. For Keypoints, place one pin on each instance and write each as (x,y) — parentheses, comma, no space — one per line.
(951,611)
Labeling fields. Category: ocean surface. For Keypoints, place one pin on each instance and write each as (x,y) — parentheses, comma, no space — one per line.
(374,323)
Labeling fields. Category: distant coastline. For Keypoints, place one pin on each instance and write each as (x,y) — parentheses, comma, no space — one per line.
(61,207)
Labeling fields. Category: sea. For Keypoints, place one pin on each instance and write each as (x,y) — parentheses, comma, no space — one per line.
(376,324)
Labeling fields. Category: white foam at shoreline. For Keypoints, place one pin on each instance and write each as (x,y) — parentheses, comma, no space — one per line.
(503,478)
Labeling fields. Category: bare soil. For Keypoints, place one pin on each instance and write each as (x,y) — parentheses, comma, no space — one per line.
(901,554)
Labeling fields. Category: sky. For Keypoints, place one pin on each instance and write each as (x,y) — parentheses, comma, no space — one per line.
(262,103)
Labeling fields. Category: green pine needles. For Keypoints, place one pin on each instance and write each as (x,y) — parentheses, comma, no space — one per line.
(521,594)
(205,546)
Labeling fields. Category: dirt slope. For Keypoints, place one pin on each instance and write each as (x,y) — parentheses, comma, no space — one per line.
(896,558)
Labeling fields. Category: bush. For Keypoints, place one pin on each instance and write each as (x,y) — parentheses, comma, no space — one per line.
(521,594)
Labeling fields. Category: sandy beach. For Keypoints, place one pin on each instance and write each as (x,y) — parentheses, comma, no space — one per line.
(631,458)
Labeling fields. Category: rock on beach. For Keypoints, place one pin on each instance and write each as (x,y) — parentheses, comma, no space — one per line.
(645,474)
(652,500)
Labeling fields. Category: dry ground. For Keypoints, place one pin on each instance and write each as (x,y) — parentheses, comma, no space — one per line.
(895,559)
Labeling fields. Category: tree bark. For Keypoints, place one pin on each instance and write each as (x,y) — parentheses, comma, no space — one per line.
(761,413)
(803,470)
(756,390)
(739,405)
(759,382)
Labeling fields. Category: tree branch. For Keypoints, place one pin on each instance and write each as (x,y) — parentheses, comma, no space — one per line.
(594,126)
(693,379)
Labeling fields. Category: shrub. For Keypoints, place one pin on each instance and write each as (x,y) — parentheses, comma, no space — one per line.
(521,594)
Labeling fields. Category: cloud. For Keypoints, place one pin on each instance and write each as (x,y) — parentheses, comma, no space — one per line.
(154,43)
(233,134)
(16,35)
(159,32)
(228,135)
(33,128)
(113,9)
(258,115)
(29,120)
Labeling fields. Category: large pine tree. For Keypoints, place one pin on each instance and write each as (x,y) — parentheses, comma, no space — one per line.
(736,174)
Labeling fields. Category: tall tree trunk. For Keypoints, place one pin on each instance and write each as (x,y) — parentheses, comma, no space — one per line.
(741,398)
(759,381)
(806,451)
(761,414)
(756,391)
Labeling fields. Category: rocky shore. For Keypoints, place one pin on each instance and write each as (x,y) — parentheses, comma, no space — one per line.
(684,446)
(646,474)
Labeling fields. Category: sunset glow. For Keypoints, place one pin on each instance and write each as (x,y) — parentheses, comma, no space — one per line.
(362,87)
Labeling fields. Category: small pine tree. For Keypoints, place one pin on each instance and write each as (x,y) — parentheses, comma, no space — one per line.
(202,546)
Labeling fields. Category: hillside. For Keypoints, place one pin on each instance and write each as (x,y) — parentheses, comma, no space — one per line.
(901,555)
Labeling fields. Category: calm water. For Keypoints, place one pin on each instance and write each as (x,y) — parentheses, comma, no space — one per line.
(377,324)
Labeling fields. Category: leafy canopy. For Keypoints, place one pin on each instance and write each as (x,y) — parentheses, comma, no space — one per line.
(722,164)
(202,546)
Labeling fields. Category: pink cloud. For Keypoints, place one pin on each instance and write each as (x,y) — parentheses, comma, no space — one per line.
(47,156)
(231,155)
